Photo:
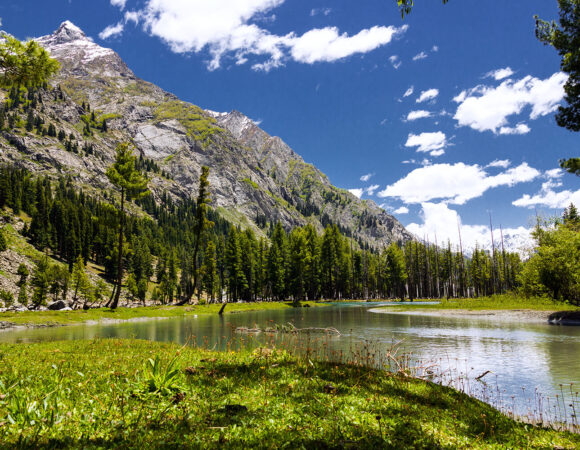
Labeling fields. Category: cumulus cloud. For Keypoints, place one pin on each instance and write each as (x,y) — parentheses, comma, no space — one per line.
(227,28)
(427,95)
(454,183)
(401,210)
(112,31)
(395,61)
(366,177)
(444,224)
(409,91)
(486,108)
(428,142)
(549,197)
(500,74)
(358,192)
(520,128)
(420,56)
(503,163)
(371,189)
(328,45)
(420,114)
(119,3)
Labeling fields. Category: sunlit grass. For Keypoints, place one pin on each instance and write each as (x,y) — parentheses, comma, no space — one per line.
(139,394)
(80,316)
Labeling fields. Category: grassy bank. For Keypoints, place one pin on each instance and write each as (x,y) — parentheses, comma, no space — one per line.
(495,302)
(105,393)
(80,316)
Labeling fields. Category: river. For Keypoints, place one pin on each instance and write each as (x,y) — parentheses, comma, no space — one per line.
(531,364)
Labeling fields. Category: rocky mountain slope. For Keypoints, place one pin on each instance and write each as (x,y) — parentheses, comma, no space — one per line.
(255,178)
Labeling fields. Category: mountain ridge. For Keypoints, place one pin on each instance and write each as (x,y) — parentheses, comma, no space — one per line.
(254,176)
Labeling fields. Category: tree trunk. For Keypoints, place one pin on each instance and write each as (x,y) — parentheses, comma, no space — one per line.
(120,256)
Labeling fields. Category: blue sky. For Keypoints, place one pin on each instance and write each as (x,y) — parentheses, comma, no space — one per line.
(474,135)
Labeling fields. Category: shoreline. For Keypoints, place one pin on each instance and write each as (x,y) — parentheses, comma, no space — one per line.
(50,319)
(504,315)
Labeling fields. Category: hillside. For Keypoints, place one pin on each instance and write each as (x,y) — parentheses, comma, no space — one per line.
(255,178)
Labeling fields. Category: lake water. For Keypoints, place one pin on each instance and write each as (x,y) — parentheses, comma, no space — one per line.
(530,364)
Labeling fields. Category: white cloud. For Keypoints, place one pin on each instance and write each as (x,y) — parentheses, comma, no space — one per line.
(486,108)
(401,210)
(366,177)
(520,128)
(227,28)
(427,142)
(444,224)
(119,3)
(132,16)
(435,48)
(429,94)
(435,153)
(500,74)
(554,173)
(112,31)
(395,61)
(420,114)
(356,192)
(454,183)
(503,163)
(323,11)
(548,197)
(371,189)
(409,91)
(328,45)
(420,56)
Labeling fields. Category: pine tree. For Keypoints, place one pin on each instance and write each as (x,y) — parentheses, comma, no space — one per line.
(3,243)
(80,281)
(40,282)
(131,184)
(210,271)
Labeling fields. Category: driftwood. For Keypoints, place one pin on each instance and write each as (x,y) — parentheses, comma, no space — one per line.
(289,329)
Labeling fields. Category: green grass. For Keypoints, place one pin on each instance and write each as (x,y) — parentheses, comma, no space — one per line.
(197,123)
(106,393)
(496,302)
(80,316)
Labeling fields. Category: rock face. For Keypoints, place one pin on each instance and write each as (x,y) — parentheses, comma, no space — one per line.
(254,177)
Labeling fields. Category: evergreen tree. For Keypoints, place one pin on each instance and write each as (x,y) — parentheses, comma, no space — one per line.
(3,244)
(80,281)
(40,282)
(131,184)
(209,271)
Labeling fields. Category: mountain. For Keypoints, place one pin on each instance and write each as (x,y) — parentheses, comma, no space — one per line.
(255,178)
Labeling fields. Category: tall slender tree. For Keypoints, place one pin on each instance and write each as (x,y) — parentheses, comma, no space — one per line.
(131,184)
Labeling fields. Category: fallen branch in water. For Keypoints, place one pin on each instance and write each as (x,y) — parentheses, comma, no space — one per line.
(290,329)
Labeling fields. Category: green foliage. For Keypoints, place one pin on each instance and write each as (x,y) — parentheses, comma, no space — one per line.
(571,165)
(3,243)
(6,297)
(24,64)
(405,6)
(197,123)
(162,380)
(555,267)
(565,38)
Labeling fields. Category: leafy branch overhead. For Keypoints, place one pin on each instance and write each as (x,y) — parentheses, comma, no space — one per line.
(405,6)
(565,38)
(24,64)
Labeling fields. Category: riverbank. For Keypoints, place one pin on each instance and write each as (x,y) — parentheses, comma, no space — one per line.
(105,315)
(507,307)
(106,393)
